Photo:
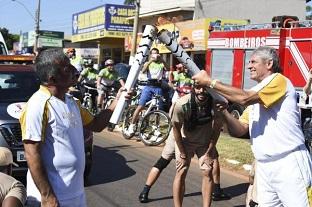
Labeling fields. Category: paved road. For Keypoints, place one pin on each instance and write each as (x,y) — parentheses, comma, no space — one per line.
(120,169)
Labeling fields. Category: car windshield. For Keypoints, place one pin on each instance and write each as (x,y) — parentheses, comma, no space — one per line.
(17,86)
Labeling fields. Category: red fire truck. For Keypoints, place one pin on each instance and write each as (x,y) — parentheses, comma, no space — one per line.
(228,53)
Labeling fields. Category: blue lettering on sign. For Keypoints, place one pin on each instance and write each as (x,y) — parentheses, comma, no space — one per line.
(116,17)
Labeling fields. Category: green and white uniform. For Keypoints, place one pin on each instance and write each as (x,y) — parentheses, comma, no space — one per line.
(89,74)
(183,83)
(107,79)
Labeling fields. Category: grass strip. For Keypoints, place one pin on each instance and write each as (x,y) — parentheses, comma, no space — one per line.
(234,149)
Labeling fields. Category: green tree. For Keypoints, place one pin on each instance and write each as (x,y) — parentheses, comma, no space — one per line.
(129,2)
(9,38)
(308,12)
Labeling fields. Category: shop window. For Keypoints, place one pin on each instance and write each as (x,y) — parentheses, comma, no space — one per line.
(222,64)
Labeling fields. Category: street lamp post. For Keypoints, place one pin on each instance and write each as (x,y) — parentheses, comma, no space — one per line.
(37,27)
(36,19)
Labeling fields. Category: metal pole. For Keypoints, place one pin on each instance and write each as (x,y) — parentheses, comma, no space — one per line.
(37,27)
(135,31)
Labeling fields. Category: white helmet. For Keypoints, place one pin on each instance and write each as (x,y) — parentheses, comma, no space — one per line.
(88,62)
(109,62)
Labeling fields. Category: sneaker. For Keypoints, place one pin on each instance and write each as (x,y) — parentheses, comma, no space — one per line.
(130,130)
(110,127)
(253,204)
(153,138)
(143,197)
(218,196)
(157,133)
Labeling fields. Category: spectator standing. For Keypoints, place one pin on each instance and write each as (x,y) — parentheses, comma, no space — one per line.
(75,60)
(12,191)
(181,81)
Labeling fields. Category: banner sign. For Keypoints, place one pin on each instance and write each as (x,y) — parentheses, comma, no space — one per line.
(53,34)
(50,42)
(104,21)
(88,21)
(116,17)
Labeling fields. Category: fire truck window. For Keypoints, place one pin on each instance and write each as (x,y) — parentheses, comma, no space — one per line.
(222,64)
(247,82)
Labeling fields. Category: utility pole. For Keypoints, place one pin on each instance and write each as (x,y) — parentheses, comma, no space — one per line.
(135,31)
(37,20)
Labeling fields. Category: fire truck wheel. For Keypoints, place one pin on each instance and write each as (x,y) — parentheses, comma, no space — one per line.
(236,110)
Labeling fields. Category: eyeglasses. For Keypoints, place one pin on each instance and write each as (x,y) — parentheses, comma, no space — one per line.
(110,65)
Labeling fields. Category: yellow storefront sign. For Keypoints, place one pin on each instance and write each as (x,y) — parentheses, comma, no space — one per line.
(92,18)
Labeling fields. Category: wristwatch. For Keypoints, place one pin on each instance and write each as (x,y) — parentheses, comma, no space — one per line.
(182,156)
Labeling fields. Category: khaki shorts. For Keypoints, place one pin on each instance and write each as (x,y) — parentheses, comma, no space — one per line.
(168,151)
(199,149)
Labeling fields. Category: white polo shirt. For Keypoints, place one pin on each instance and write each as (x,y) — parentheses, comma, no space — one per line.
(59,125)
(274,124)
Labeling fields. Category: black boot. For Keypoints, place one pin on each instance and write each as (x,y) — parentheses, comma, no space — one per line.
(143,197)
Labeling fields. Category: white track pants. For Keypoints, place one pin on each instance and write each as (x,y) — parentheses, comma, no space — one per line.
(284,182)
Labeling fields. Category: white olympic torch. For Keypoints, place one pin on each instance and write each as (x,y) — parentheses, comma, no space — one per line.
(139,59)
(171,43)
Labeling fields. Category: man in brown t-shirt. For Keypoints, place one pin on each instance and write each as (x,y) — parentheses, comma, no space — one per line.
(12,191)
(196,129)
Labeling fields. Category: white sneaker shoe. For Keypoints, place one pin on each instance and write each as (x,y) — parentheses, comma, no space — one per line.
(130,130)
(153,138)
(157,133)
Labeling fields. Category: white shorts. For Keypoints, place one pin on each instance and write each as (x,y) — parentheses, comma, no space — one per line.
(284,182)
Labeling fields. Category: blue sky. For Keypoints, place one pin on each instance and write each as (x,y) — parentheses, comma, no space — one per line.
(54,14)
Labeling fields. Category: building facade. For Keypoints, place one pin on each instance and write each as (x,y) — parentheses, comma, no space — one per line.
(257,11)
(104,27)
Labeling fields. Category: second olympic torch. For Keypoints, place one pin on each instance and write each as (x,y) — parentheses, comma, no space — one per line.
(171,43)
(165,37)
(139,59)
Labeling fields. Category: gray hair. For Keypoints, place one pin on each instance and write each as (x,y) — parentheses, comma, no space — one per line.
(48,62)
(268,53)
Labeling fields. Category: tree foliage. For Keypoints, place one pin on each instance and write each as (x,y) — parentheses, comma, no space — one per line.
(9,38)
(308,12)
